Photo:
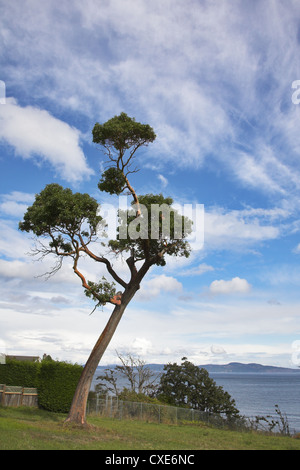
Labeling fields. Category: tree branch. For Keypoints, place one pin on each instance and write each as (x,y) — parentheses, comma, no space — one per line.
(107,263)
(115,300)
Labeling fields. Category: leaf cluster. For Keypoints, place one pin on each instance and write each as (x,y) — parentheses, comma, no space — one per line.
(154,237)
(112,181)
(57,209)
(187,385)
(103,291)
(122,133)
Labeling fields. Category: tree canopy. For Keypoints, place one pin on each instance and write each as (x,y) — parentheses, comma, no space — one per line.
(123,133)
(71,222)
(157,231)
(187,385)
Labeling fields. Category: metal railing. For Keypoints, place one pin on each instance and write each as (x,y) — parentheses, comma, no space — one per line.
(111,407)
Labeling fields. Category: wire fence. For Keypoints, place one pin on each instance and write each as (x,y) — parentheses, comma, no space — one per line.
(111,407)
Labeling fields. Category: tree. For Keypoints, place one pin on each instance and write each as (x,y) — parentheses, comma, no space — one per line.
(187,385)
(141,379)
(69,225)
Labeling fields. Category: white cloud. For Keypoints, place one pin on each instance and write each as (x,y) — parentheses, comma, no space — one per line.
(157,285)
(239,229)
(266,169)
(194,71)
(281,274)
(34,133)
(15,269)
(13,244)
(235,285)
(297,249)
(197,270)
(15,203)
(142,346)
(217,350)
(190,328)
(253,173)
(163,180)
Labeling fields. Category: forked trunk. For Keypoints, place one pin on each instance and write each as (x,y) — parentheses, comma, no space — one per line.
(77,413)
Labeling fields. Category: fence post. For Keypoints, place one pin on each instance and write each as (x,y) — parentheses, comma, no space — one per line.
(111,405)
(3,395)
(21,398)
(159,413)
(106,404)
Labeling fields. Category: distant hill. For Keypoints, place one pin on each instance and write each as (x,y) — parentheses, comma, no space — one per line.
(238,367)
(232,367)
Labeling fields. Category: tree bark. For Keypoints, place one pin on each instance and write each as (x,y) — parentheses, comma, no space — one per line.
(77,413)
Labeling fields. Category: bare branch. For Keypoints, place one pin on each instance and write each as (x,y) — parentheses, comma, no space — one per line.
(109,267)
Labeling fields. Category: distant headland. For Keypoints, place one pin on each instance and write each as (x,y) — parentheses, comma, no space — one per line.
(247,368)
(232,367)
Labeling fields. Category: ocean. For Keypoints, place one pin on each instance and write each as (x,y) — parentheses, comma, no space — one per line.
(256,394)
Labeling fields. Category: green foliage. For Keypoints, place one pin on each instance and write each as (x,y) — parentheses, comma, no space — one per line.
(131,395)
(57,209)
(281,424)
(20,373)
(187,385)
(160,230)
(56,381)
(123,132)
(103,291)
(57,385)
(112,181)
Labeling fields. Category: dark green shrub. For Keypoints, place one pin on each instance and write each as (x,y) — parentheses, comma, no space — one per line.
(57,384)
(20,373)
(56,381)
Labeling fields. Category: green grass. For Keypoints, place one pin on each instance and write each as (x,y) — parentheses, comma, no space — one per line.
(33,429)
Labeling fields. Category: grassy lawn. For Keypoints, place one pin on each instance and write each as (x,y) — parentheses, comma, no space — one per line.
(33,429)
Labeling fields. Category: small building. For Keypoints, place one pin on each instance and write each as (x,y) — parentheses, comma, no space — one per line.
(23,358)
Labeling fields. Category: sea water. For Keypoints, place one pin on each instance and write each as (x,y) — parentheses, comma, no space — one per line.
(257,394)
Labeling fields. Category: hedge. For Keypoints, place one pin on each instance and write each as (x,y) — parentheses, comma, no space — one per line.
(20,373)
(57,384)
(56,381)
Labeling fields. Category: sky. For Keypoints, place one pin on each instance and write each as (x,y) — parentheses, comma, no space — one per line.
(219,84)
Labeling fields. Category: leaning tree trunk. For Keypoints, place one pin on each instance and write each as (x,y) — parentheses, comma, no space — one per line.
(77,413)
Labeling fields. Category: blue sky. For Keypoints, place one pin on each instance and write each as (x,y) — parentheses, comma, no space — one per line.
(214,79)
